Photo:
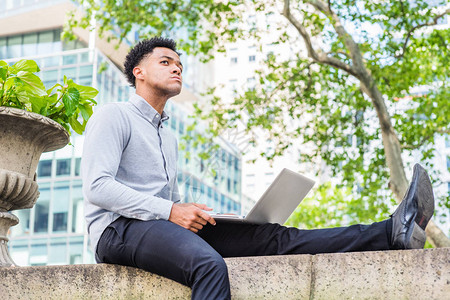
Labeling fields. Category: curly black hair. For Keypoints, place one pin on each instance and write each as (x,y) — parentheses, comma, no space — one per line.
(141,50)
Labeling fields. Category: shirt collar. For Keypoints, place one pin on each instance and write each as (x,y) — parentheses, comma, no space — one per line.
(147,110)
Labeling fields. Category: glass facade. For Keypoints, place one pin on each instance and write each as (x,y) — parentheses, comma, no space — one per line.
(37,43)
(53,231)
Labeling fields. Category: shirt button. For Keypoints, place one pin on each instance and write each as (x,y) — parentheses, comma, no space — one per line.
(157,218)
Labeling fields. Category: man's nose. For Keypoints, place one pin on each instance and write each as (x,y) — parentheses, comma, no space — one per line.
(176,70)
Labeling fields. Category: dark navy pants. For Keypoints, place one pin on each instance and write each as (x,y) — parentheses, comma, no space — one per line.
(196,260)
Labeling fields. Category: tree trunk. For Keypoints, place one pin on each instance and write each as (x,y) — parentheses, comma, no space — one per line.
(398,182)
(436,236)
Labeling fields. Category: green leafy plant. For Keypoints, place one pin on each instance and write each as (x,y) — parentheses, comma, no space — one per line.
(69,104)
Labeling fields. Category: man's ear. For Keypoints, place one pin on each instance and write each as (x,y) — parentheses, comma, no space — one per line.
(138,72)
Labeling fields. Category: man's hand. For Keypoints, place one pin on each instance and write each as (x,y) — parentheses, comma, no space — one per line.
(191,216)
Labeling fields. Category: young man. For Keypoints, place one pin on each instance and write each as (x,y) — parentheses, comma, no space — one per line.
(133,210)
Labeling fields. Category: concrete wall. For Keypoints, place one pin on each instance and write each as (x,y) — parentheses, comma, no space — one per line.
(412,274)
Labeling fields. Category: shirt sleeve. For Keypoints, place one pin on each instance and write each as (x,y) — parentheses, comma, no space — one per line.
(107,134)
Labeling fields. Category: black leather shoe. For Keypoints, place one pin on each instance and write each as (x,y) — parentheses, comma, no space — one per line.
(412,215)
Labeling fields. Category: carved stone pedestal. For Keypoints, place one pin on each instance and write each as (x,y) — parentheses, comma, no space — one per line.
(16,192)
(23,138)
(6,221)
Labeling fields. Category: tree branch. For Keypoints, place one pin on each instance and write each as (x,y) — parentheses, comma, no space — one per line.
(424,140)
(411,31)
(355,53)
(279,86)
(316,56)
(339,52)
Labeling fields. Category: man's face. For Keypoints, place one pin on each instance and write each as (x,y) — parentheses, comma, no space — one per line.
(160,72)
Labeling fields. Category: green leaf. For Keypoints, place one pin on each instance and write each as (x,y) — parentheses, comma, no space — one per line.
(39,105)
(84,112)
(49,91)
(9,83)
(86,92)
(76,126)
(33,84)
(52,99)
(71,99)
(3,70)
(26,65)
(25,99)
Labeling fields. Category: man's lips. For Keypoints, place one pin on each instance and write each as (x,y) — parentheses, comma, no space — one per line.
(176,78)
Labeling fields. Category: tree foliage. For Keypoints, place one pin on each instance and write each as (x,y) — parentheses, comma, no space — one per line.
(371,82)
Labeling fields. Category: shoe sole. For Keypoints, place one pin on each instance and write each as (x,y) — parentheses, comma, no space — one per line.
(425,203)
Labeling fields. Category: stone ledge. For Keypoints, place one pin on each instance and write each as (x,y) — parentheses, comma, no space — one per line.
(412,274)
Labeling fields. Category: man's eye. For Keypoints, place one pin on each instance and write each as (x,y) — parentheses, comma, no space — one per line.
(165,62)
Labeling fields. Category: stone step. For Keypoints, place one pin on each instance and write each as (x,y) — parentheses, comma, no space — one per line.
(409,274)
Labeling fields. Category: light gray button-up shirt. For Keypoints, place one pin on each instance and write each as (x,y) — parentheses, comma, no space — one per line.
(129,165)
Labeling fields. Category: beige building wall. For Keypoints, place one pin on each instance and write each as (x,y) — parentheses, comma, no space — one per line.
(53,17)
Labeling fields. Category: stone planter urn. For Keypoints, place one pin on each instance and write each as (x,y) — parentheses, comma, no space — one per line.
(24,136)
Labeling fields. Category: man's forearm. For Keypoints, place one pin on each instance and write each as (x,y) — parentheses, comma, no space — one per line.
(107,193)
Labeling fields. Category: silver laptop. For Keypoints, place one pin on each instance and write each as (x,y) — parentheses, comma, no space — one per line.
(277,203)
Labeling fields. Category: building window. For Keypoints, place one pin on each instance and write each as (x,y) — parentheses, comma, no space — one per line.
(233,60)
(216,199)
(233,86)
(202,188)
(187,190)
(75,250)
(181,128)
(38,253)
(222,202)
(41,217)
(60,206)
(251,83)
(252,58)
(45,168)
(14,48)
(57,251)
(30,44)
(209,192)
(63,167)
(3,47)
(224,156)
(77,210)
(77,166)
(60,222)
